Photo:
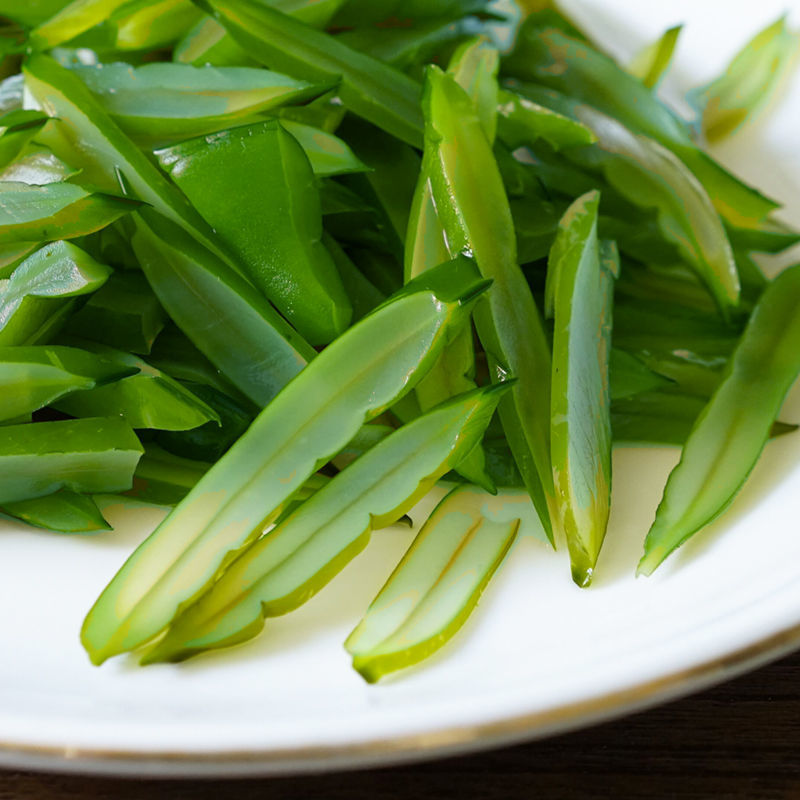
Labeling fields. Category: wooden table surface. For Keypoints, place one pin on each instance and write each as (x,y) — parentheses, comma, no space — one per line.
(738,740)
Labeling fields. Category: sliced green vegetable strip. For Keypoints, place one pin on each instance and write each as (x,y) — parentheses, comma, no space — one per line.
(37,213)
(473,209)
(748,81)
(731,432)
(454,372)
(474,66)
(364,295)
(37,165)
(328,154)
(164,478)
(296,559)
(435,587)
(124,314)
(40,287)
(151,24)
(221,313)
(353,380)
(162,102)
(31,13)
(64,511)
(147,399)
(628,376)
(71,21)
(553,58)
(33,377)
(279,240)
(17,129)
(105,152)
(521,121)
(579,296)
(655,417)
(82,455)
(650,64)
(371,89)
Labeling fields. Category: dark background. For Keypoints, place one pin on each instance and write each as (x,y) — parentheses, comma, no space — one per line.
(741,739)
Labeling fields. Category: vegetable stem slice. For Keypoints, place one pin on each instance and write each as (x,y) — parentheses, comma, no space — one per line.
(296,559)
(731,432)
(353,380)
(64,511)
(435,587)
(579,293)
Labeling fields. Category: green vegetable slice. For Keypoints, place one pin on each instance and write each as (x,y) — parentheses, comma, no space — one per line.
(81,455)
(72,20)
(64,210)
(33,377)
(730,434)
(163,478)
(108,157)
(39,289)
(328,154)
(31,13)
(357,377)
(579,296)
(124,314)
(222,314)
(146,399)
(162,102)
(279,240)
(473,208)
(295,560)
(369,88)
(748,81)
(555,59)
(64,511)
(650,64)
(435,587)
(38,166)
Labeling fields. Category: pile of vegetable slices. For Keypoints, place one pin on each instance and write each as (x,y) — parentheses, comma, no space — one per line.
(286,264)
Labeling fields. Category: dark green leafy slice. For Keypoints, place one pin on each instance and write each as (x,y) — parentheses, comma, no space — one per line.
(228,320)
(373,90)
(40,288)
(81,455)
(64,511)
(33,377)
(147,399)
(279,240)
(650,64)
(57,210)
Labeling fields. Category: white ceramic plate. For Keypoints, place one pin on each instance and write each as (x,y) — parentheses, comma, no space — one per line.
(539,655)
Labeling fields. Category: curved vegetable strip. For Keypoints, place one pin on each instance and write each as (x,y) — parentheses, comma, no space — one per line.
(748,81)
(353,380)
(148,399)
(329,155)
(295,560)
(553,58)
(644,170)
(150,24)
(33,377)
(435,587)
(730,434)
(163,102)
(653,61)
(71,21)
(369,88)
(474,66)
(40,287)
(208,42)
(628,376)
(579,295)
(454,372)
(473,208)
(82,455)
(65,512)
(521,121)
(124,314)
(103,149)
(37,213)
(223,315)
(279,240)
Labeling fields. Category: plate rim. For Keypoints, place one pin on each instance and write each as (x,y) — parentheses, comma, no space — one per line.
(448,740)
